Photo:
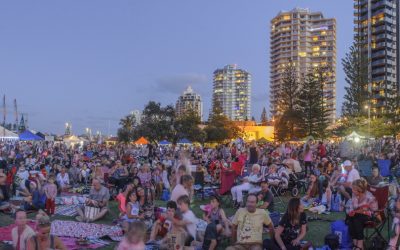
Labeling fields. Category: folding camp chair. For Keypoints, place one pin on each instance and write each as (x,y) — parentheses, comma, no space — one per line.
(227,182)
(384,167)
(199,183)
(380,218)
(365,168)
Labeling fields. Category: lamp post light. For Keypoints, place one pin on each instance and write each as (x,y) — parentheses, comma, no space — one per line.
(367,107)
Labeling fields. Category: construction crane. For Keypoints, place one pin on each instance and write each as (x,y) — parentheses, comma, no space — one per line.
(16,115)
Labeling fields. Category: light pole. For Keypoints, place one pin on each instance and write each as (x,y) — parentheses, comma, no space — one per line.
(369,119)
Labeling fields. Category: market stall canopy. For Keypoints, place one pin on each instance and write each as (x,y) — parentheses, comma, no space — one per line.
(6,134)
(354,135)
(142,141)
(164,142)
(72,138)
(29,136)
(184,141)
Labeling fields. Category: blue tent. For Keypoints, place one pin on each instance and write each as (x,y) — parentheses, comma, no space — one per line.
(29,136)
(184,141)
(164,142)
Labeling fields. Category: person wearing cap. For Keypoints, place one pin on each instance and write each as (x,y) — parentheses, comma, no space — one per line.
(22,232)
(352,175)
(43,240)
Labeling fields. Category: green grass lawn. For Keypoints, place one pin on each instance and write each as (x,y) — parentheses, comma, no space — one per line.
(317,230)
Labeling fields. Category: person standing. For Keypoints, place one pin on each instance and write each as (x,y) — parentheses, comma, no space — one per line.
(51,193)
(22,232)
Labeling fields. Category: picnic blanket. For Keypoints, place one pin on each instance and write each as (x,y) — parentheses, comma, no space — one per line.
(86,230)
(66,210)
(70,243)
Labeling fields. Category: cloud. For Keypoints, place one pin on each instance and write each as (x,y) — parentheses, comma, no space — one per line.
(176,84)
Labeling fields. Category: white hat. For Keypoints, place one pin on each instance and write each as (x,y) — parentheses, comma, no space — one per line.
(347,163)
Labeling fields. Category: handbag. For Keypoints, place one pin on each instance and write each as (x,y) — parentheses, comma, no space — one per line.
(91,212)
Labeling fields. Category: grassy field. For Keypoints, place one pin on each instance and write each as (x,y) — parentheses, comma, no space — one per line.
(316,229)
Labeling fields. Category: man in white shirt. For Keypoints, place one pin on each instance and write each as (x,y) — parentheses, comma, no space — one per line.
(352,175)
(183,188)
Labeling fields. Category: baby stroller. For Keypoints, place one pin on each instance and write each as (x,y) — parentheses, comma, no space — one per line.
(297,184)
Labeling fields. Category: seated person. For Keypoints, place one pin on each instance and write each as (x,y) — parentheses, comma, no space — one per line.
(375,178)
(210,236)
(249,184)
(37,198)
(312,192)
(133,212)
(352,174)
(395,231)
(74,174)
(5,205)
(98,197)
(134,237)
(189,220)
(183,188)
(63,179)
(43,240)
(217,216)
(121,199)
(273,177)
(162,226)
(22,232)
(291,230)
(248,226)
(363,205)
(267,198)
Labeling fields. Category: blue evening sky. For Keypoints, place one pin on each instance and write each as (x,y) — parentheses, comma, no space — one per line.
(91,62)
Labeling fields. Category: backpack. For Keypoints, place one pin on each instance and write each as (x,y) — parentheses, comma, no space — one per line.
(335,203)
(332,241)
(377,243)
(340,228)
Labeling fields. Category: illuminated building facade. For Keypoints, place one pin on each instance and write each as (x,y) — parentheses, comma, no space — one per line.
(231,90)
(377,34)
(307,40)
(189,100)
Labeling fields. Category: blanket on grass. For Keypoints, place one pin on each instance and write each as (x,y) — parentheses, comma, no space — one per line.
(70,243)
(86,230)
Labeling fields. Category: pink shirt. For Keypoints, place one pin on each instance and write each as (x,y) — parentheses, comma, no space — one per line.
(51,191)
(178,191)
(122,202)
(125,245)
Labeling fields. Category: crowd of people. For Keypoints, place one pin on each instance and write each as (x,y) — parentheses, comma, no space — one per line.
(136,176)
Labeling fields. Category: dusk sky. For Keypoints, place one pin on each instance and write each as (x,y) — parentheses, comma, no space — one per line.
(92,62)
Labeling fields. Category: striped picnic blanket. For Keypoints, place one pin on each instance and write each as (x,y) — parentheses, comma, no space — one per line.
(66,210)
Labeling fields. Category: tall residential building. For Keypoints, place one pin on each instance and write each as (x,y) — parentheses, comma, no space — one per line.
(232,89)
(307,40)
(377,34)
(189,100)
(138,116)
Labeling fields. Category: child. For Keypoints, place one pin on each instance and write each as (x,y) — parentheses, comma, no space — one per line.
(158,182)
(395,227)
(51,193)
(189,220)
(121,198)
(134,238)
(132,207)
(162,226)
